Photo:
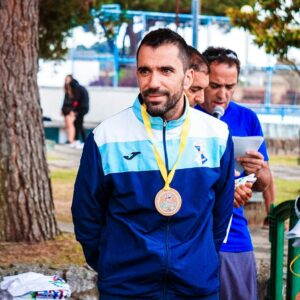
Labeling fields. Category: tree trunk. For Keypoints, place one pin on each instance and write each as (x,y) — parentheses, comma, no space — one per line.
(26,203)
(133,37)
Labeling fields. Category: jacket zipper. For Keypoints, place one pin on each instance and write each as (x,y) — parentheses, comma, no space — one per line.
(165,145)
(168,218)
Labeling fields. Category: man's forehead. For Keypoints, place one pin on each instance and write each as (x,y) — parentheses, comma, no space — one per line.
(159,48)
(161,55)
(223,74)
(222,66)
(200,79)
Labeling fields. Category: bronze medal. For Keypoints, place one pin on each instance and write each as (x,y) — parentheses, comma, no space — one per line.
(168,202)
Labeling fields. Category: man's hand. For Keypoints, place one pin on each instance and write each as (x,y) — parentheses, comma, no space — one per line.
(242,194)
(253,162)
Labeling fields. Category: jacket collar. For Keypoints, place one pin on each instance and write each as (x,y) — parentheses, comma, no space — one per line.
(158,122)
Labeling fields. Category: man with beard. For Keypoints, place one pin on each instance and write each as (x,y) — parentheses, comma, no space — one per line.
(237,261)
(151,232)
(195,94)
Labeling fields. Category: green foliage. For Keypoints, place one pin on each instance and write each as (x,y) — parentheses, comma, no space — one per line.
(218,8)
(56,19)
(274,25)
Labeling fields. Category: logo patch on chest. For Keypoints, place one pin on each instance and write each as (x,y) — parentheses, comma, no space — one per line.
(201,158)
(131,155)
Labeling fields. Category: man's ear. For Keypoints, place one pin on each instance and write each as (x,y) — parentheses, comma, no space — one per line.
(188,79)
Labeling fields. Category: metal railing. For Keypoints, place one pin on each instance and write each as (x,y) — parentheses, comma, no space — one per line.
(276,289)
(275,109)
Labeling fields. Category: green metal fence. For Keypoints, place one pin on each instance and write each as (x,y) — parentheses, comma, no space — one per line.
(276,288)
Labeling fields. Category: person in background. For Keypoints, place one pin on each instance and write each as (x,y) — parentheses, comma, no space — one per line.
(80,100)
(68,112)
(200,65)
(153,194)
(195,95)
(237,261)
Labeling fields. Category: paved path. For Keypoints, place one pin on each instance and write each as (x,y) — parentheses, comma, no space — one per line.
(63,156)
(260,238)
(284,172)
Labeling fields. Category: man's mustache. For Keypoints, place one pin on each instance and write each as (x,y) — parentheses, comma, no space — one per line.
(156,92)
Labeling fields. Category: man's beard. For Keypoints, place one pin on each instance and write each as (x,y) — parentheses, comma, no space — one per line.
(163,110)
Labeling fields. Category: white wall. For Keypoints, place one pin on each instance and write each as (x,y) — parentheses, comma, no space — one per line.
(104,102)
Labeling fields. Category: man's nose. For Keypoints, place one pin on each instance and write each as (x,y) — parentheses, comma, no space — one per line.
(200,97)
(221,93)
(154,80)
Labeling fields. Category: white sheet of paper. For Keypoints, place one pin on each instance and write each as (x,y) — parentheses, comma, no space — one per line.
(242,144)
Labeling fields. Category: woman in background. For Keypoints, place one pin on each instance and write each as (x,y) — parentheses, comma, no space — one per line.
(80,101)
(68,110)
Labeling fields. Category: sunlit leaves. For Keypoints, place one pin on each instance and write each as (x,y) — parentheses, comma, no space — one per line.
(274,25)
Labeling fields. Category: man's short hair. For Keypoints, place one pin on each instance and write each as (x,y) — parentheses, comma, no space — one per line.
(163,36)
(222,55)
(197,61)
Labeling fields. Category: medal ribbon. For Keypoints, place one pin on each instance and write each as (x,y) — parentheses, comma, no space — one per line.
(183,139)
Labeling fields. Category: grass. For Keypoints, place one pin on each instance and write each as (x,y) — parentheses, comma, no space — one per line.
(65,175)
(62,186)
(51,157)
(285,160)
(286,189)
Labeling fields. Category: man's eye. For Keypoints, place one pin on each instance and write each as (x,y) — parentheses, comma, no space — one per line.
(230,87)
(167,70)
(143,71)
(214,86)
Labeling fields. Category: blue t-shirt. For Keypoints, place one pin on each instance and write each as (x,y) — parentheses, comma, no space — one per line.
(241,121)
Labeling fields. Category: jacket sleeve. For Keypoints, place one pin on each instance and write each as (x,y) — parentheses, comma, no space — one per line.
(224,196)
(88,206)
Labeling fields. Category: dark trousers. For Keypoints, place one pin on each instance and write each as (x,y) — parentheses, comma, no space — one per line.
(78,123)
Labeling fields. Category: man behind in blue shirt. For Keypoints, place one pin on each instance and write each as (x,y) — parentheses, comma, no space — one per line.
(195,95)
(238,268)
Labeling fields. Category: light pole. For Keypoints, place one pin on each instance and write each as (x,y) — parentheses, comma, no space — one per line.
(195,13)
(246,9)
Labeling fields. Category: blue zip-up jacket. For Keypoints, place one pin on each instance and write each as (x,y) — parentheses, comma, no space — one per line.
(137,252)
